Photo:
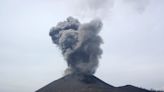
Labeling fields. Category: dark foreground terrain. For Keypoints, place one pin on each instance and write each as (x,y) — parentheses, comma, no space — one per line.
(86,83)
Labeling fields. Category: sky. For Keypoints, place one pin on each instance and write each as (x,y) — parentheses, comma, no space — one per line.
(133,48)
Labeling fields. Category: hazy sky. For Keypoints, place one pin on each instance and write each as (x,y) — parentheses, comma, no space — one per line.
(133,34)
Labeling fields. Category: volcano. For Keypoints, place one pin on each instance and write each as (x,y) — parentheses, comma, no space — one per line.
(86,83)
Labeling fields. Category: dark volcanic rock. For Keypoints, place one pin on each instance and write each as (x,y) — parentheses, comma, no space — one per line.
(130,88)
(77,83)
(86,83)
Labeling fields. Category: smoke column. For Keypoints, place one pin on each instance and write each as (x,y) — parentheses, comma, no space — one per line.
(79,43)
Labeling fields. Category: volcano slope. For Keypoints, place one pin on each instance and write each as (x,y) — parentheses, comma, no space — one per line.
(86,83)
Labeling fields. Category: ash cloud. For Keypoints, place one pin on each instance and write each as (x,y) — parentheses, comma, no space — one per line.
(79,43)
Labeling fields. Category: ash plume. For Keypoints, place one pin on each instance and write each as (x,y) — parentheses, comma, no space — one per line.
(79,43)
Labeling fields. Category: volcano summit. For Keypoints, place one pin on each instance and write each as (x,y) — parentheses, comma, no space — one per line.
(86,83)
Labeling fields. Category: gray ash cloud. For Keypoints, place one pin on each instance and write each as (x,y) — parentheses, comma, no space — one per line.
(79,43)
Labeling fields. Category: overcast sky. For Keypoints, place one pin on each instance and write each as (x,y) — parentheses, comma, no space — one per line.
(133,34)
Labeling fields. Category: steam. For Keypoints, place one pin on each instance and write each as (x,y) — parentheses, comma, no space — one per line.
(105,8)
(79,43)
(93,8)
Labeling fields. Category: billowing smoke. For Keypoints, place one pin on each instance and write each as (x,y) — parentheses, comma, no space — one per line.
(79,43)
